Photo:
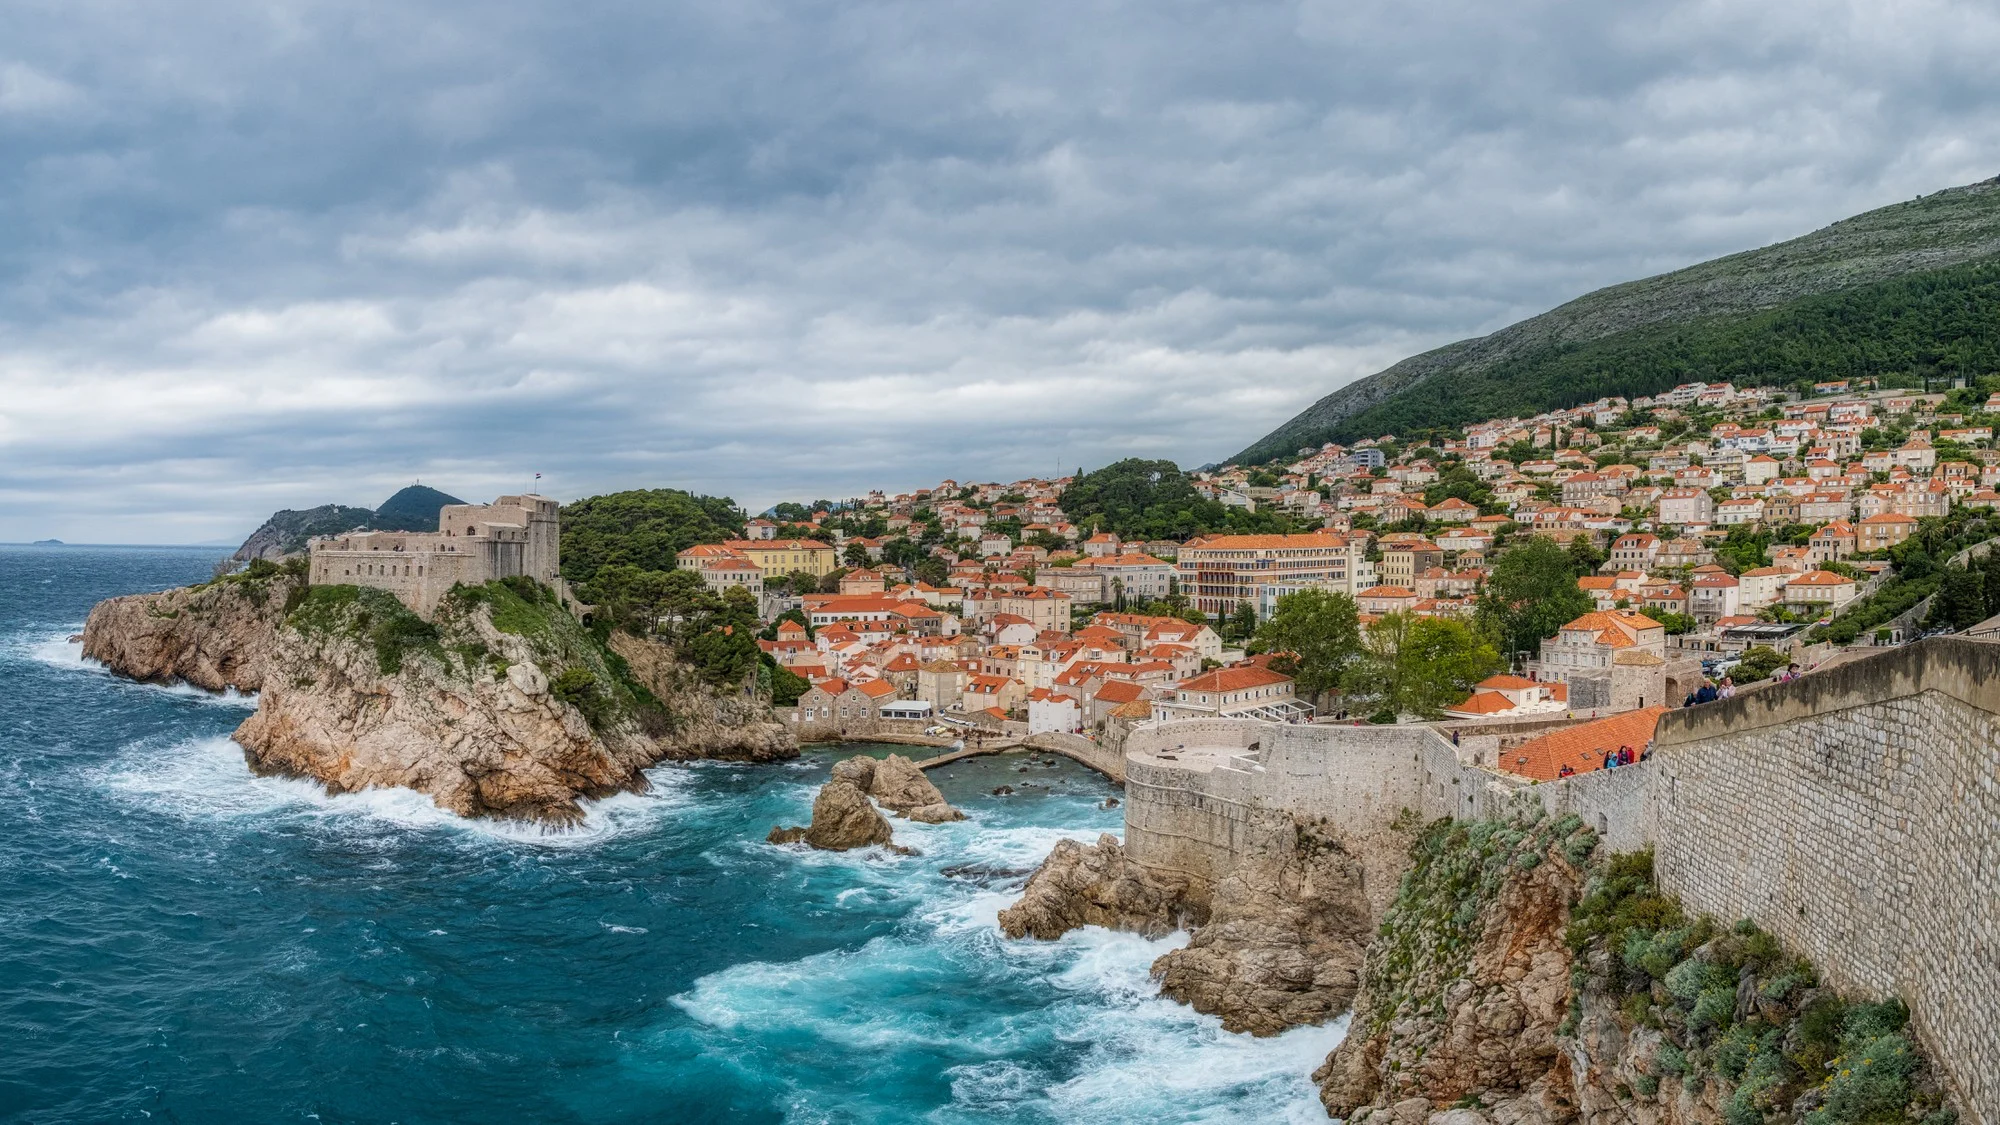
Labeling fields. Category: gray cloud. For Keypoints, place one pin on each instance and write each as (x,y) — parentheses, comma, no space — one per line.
(299,251)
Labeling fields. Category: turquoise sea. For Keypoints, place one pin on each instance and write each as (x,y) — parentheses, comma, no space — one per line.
(181,941)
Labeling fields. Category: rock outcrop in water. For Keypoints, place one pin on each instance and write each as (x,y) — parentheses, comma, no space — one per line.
(899,786)
(1284,940)
(1277,943)
(215,636)
(1097,885)
(842,819)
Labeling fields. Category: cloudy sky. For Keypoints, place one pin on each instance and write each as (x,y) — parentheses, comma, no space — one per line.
(275,253)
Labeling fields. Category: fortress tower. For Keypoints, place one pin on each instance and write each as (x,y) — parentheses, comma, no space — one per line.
(474,544)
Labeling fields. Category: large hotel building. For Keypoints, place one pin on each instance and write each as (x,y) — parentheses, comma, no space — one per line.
(1219,571)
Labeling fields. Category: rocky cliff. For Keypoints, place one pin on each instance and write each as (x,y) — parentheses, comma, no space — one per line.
(217,635)
(1277,943)
(693,720)
(503,706)
(1516,980)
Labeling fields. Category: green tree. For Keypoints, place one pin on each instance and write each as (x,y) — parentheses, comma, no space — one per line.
(1757,662)
(1418,665)
(724,648)
(931,570)
(1531,593)
(637,600)
(642,528)
(1584,555)
(1960,601)
(786,685)
(1241,623)
(856,556)
(1322,630)
(1676,623)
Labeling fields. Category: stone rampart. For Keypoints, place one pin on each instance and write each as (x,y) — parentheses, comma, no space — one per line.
(1200,795)
(1855,813)
(1077,748)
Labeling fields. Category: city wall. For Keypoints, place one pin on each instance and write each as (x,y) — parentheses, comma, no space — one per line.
(1201,795)
(1855,813)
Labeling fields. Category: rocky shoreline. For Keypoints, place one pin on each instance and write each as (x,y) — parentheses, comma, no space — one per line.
(503,707)
(1277,943)
(1515,977)
(216,636)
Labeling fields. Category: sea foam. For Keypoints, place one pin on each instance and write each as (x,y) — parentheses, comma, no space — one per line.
(207,779)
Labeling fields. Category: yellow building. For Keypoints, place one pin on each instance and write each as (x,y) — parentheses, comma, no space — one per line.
(787,556)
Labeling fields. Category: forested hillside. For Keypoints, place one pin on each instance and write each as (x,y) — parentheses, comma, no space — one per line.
(1907,290)
(644,528)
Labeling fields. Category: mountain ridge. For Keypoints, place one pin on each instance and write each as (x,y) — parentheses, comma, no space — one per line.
(414,508)
(1929,234)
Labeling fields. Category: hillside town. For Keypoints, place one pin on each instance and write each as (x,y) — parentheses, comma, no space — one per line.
(1712,527)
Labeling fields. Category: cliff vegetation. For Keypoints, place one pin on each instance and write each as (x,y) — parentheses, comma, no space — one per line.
(1520,978)
(1729,1012)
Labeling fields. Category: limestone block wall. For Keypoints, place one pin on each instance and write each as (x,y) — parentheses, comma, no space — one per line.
(1855,813)
(1153,737)
(1103,759)
(1199,821)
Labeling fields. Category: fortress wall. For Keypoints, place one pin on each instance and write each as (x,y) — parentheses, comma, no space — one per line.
(1199,820)
(419,579)
(1855,813)
(1105,760)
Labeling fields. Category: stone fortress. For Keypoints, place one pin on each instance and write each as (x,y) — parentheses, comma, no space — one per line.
(1854,813)
(474,543)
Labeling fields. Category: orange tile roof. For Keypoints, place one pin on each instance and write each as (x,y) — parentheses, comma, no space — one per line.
(1821,578)
(1581,747)
(1234,679)
(1484,703)
(1263,542)
(1121,691)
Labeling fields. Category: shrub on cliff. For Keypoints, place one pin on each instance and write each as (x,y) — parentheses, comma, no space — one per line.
(1742,1011)
(368,615)
(1457,867)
